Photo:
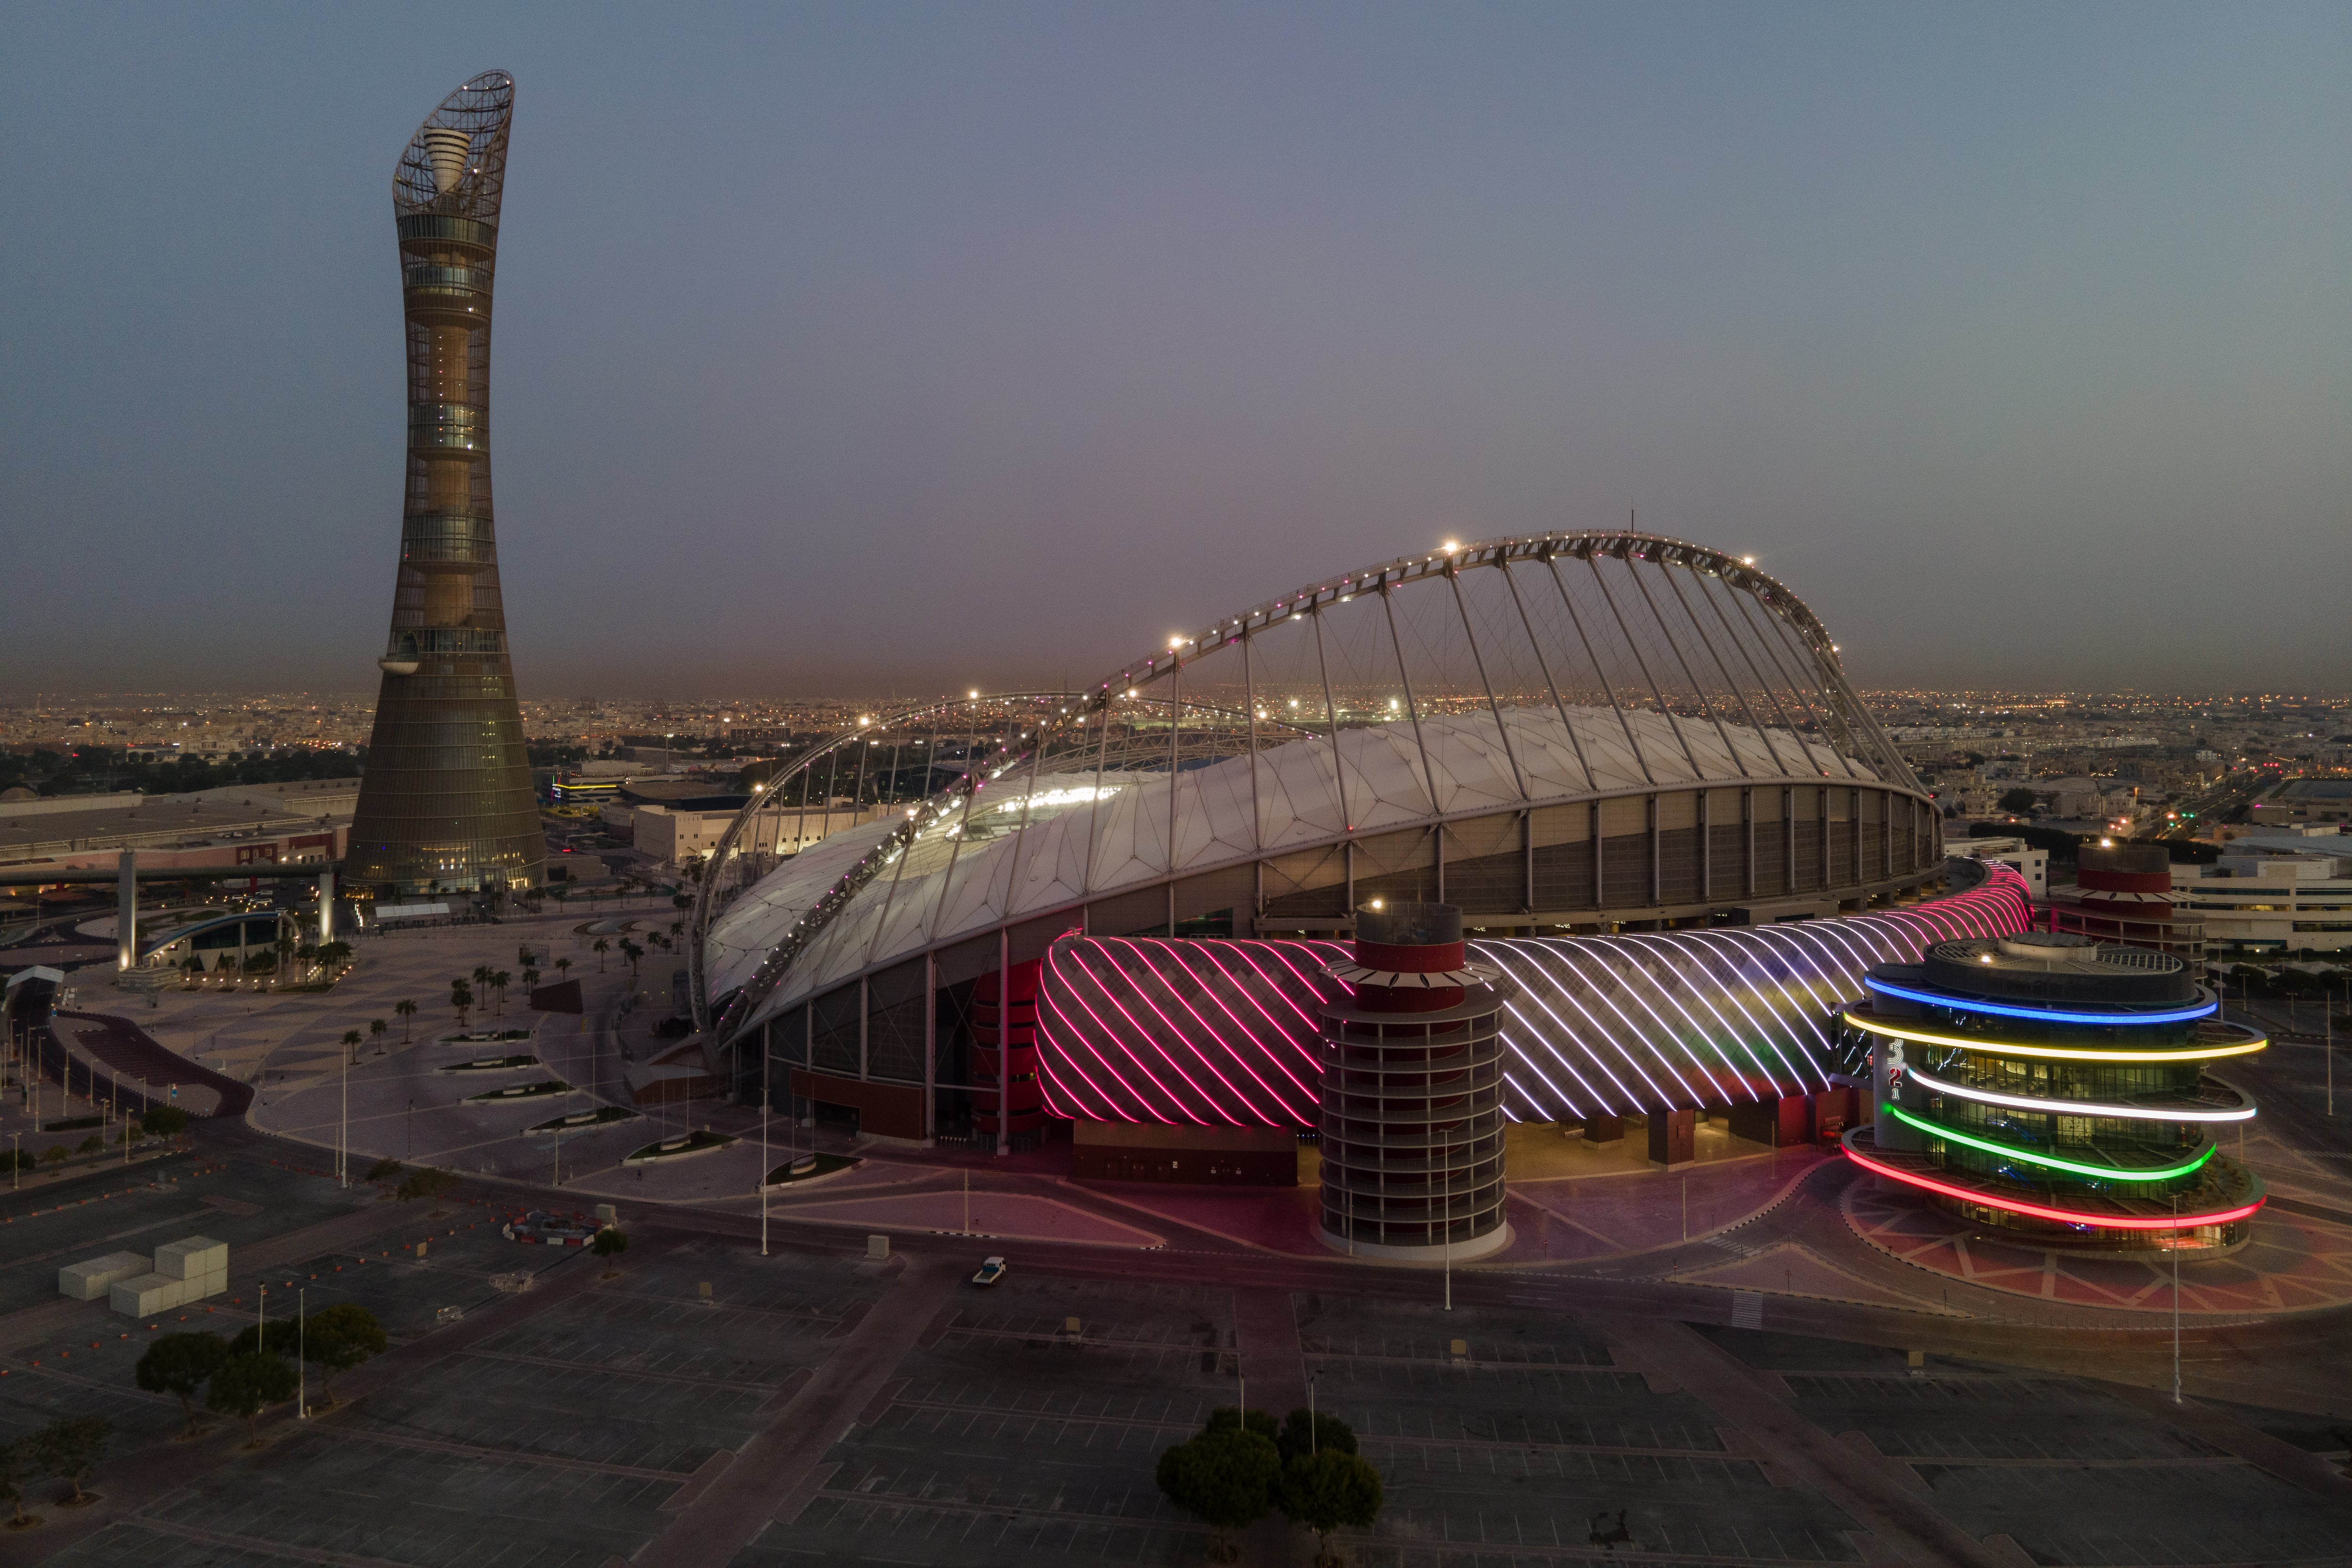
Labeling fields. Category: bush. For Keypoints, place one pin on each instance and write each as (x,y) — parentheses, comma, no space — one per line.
(384,1171)
(94,1144)
(427,1183)
(179,1364)
(163,1120)
(18,1464)
(54,1154)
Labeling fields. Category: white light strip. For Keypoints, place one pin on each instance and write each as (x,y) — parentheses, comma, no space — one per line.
(2077,1107)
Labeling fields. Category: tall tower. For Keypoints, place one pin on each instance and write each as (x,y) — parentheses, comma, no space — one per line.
(446,801)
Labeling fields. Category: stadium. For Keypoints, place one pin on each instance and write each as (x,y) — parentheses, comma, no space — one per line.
(1635,764)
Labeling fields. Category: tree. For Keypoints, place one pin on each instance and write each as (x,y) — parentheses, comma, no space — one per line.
(351,1044)
(278,1337)
(246,1386)
(562,965)
(634,953)
(1228,1417)
(94,1144)
(335,954)
(600,947)
(610,1243)
(407,1010)
(1225,1477)
(499,983)
(178,1364)
(461,997)
(1298,1436)
(1328,1490)
(340,1337)
(70,1447)
(530,976)
(163,1120)
(2018,799)
(18,1464)
(384,1171)
(192,966)
(55,1154)
(376,1028)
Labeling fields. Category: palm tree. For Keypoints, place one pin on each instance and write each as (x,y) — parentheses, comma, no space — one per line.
(407,1010)
(600,947)
(351,1044)
(523,959)
(499,982)
(461,997)
(561,964)
(632,952)
(529,977)
(375,1031)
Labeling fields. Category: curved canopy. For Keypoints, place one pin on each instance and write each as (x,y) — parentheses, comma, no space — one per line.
(1500,677)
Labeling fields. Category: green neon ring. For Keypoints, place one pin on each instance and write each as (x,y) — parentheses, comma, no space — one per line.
(2099,1173)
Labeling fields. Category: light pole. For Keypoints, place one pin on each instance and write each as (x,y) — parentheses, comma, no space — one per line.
(411,1129)
(344,1126)
(302,1343)
(2176,1298)
(15,1160)
(765,1077)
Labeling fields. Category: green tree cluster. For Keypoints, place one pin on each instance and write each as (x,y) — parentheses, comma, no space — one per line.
(1240,1464)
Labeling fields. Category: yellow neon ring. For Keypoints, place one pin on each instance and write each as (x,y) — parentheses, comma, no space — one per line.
(2005,1048)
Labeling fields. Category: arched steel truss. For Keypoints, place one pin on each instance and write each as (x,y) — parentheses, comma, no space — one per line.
(1630,662)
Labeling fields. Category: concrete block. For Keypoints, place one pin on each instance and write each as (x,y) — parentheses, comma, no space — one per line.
(90,1279)
(146,1293)
(210,1285)
(191,1258)
(877,1247)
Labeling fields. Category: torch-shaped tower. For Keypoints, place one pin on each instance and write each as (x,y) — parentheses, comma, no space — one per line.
(447,800)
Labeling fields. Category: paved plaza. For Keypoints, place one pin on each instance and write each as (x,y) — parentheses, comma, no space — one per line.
(1723,1353)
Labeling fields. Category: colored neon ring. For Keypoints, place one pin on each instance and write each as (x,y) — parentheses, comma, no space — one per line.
(2063,1217)
(1970,1004)
(2010,1048)
(2009,1151)
(2076,1107)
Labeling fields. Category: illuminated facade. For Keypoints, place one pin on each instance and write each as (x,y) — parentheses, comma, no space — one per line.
(1570,733)
(2053,1087)
(1225,1032)
(446,801)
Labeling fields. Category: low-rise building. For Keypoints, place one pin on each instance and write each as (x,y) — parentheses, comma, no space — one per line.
(2284,891)
(2299,801)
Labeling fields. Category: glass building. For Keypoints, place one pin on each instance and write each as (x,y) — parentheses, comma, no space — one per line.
(446,802)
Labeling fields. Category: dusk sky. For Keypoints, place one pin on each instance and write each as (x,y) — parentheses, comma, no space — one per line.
(868,347)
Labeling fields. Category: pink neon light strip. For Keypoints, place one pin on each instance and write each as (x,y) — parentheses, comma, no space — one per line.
(2064,1216)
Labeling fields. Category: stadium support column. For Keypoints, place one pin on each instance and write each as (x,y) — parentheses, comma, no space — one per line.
(126,904)
(326,906)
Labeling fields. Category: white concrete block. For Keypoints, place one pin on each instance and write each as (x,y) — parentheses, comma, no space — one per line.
(191,1257)
(145,1294)
(90,1279)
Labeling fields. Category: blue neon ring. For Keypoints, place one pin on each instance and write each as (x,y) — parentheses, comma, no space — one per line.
(1969,1005)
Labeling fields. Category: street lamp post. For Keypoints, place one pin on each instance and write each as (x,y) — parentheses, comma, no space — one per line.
(2176,1298)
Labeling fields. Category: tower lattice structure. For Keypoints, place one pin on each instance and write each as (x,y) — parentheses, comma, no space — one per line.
(446,801)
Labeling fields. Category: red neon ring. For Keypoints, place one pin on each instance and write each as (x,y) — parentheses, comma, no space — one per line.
(2063,1217)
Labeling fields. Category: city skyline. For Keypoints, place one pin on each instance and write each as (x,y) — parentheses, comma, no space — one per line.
(957,321)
